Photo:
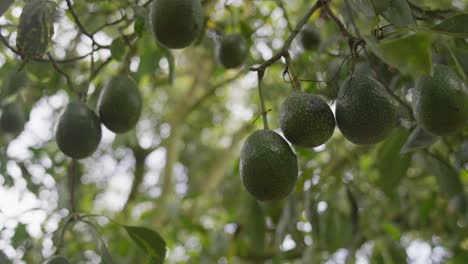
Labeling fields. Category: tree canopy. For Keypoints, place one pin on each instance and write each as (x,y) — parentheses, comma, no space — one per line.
(167,187)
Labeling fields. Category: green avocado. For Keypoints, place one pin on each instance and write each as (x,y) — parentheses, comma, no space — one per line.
(268,166)
(306,120)
(78,131)
(13,119)
(57,260)
(232,51)
(441,102)
(310,38)
(176,23)
(120,104)
(365,113)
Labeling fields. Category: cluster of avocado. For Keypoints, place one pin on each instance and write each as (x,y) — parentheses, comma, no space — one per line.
(176,24)
(78,130)
(365,115)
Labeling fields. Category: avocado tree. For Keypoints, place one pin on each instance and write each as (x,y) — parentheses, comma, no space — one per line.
(233,131)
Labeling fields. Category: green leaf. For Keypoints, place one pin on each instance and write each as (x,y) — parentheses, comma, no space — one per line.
(391,165)
(106,258)
(461,57)
(141,18)
(461,157)
(118,48)
(410,54)
(4,5)
(399,13)
(148,240)
(447,177)
(253,221)
(453,26)
(364,6)
(418,139)
(380,5)
(20,236)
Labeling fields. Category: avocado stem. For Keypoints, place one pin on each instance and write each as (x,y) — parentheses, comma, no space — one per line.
(260,75)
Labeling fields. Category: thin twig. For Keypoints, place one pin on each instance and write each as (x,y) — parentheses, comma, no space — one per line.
(64,74)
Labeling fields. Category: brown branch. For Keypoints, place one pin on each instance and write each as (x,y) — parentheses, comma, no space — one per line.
(287,44)
(80,25)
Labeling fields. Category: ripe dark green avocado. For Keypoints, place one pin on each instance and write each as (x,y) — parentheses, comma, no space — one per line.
(306,120)
(57,260)
(176,23)
(78,131)
(268,166)
(441,102)
(365,113)
(232,51)
(13,119)
(120,104)
(310,38)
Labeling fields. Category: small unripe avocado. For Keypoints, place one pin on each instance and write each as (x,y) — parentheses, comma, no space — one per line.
(310,38)
(232,51)
(176,23)
(441,102)
(268,166)
(13,119)
(306,120)
(120,104)
(78,131)
(365,113)
(57,260)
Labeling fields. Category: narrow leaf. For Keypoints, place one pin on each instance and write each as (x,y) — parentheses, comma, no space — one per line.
(399,13)
(462,59)
(391,165)
(454,26)
(148,240)
(410,54)
(447,177)
(363,6)
(105,256)
(4,5)
(418,139)
(117,48)
(380,5)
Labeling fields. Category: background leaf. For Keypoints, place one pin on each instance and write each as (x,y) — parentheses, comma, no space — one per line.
(4,5)
(454,26)
(148,240)
(380,5)
(410,54)
(399,13)
(391,165)
(447,177)
(418,139)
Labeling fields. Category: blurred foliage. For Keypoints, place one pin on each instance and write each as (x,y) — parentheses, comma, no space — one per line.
(177,172)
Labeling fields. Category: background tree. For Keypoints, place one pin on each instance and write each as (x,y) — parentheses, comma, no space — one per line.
(173,181)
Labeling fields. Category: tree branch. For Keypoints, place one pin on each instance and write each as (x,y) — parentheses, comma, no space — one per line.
(287,44)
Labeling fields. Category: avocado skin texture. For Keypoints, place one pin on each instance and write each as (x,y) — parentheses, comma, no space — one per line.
(365,113)
(57,260)
(78,131)
(306,120)
(232,51)
(310,38)
(268,166)
(13,119)
(176,23)
(120,104)
(441,102)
